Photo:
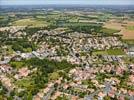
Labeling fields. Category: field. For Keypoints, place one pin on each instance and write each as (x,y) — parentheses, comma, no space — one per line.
(113,25)
(78,24)
(115,52)
(1,17)
(109,31)
(128,34)
(129,41)
(100,52)
(130,28)
(126,27)
(30,22)
(109,52)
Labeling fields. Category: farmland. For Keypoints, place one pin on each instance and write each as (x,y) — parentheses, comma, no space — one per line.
(109,31)
(130,28)
(128,34)
(126,28)
(30,22)
(113,25)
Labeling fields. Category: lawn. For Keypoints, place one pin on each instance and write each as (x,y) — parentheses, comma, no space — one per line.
(30,22)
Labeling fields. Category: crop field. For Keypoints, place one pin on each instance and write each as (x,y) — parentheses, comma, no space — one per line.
(30,22)
(126,29)
(128,34)
(112,25)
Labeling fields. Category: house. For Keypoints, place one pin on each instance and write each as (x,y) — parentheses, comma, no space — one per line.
(101,95)
(6,60)
(57,94)
(6,82)
(27,55)
(5,68)
(131,51)
(16,58)
(131,78)
(112,93)
(23,72)
(36,97)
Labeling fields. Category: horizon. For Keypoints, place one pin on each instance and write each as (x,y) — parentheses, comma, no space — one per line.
(66,2)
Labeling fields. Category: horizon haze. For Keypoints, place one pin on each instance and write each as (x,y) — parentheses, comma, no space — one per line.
(67,2)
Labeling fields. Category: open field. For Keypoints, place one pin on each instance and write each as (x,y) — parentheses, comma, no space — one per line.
(30,22)
(109,52)
(129,41)
(1,17)
(115,52)
(128,34)
(109,31)
(130,28)
(100,52)
(113,25)
(78,24)
(127,28)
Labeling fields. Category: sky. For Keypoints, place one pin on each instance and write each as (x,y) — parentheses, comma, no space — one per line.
(45,2)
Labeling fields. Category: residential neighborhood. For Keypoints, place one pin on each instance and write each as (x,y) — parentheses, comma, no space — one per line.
(66,53)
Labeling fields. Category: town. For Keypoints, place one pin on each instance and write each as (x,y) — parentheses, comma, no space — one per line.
(66,54)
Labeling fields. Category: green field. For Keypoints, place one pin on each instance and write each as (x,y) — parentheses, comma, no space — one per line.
(30,22)
(130,27)
(129,42)
(100,52)
(109,52)
(79,24)
(1,17)
(109,31)
(41,17)
(115,52)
